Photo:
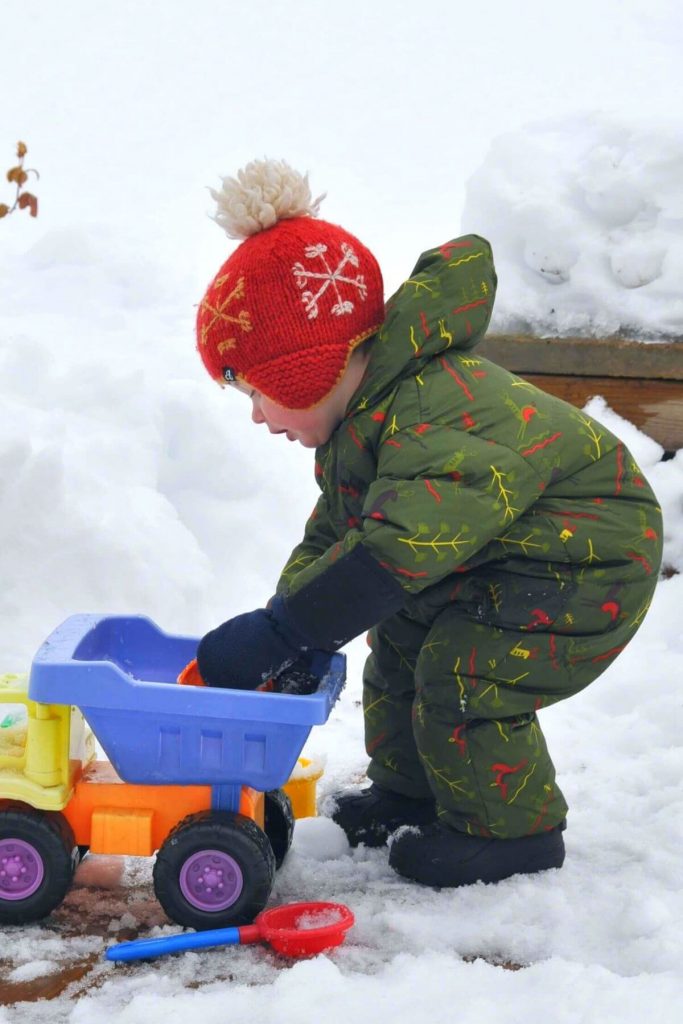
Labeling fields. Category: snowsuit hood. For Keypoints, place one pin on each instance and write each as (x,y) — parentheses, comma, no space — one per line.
(415,326)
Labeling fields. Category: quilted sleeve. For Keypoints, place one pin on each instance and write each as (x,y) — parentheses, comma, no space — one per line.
(319,536)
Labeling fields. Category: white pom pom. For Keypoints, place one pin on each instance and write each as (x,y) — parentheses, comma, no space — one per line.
(264,192)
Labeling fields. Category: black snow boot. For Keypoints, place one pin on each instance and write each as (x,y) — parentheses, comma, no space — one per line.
(442,857)
(370,815)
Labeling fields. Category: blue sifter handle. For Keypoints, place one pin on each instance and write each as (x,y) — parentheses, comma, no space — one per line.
(148,949)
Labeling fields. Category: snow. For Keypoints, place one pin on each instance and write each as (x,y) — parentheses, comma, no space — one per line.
(308,768)
(319,918)
(585,215)
(131,484)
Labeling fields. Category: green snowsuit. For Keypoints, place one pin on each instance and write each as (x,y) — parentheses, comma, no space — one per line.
(525,538)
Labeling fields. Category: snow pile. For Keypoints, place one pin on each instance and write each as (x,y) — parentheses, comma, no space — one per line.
(585,215)
(131,483)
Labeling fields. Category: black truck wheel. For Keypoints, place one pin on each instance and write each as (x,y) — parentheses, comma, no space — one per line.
(37,863)
(216,868)
(279,823)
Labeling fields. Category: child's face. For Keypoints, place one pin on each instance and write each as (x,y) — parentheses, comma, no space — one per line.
(310,427)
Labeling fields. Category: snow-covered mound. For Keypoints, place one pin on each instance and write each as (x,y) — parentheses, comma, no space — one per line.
(129,481)
(585,215)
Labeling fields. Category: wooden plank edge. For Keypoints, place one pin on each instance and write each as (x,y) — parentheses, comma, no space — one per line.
(585,357)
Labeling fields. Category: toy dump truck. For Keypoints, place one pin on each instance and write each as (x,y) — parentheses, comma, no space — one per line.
(203,777)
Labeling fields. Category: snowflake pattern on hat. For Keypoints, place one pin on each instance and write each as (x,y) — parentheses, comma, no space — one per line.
(329,278)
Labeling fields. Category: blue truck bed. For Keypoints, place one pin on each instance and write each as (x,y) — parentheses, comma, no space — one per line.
(121,671)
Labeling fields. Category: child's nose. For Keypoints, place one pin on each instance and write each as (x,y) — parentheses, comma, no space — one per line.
(256,414)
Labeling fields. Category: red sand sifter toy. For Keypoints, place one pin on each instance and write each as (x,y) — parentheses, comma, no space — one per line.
(294,930)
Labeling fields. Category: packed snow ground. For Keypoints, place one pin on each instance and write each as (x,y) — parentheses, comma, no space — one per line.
(131,484)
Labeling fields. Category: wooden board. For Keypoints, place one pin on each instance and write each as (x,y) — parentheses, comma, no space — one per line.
(641,381)
(601,357)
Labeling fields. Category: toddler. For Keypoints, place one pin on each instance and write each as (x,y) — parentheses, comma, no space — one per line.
(500,546)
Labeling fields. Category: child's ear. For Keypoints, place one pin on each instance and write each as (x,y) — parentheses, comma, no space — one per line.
(361,355)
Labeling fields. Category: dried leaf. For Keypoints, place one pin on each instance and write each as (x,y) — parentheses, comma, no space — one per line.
(4,210)
(17,174)
(21,149)
(28,199)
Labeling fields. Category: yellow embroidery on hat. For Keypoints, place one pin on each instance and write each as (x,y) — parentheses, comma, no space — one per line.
(243,318)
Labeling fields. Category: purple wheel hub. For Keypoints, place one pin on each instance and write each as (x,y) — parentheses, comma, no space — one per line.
(211,880)
(21,869)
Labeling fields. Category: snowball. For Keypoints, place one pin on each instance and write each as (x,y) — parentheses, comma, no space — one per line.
(551,258)
(320,839)
(635,263)
(609,187)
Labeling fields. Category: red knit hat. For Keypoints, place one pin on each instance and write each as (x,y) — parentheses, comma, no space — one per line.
(287,309)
